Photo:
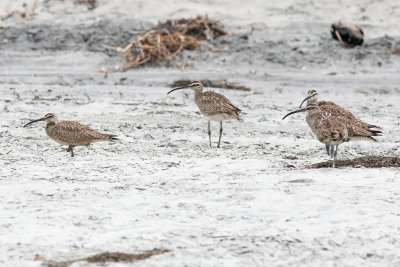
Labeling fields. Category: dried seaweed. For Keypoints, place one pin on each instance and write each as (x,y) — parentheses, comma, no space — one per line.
(396,51)
(201,27)
(167,40)
(106,257)
(213,83)
(367,162)
(91,3)
(26,14)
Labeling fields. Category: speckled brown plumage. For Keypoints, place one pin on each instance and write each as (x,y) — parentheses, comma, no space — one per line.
(329,129)
(74,133)
(71,133)
(357,129)
(215,107)
(333,124)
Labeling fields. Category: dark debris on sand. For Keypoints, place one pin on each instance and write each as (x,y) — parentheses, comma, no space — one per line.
(367,162)
(91,3)
(106,257)
(348,33)
(224,84)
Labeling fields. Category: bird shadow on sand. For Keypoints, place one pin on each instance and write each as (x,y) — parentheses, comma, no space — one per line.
(104,257)
(367,162)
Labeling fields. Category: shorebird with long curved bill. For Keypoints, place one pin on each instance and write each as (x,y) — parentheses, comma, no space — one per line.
(358,129)
(214,106)
(71,133)
(334,125)
(330,130)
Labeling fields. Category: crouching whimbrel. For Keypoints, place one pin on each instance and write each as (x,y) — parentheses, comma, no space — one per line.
(333,124)
(215,107)
(71,133)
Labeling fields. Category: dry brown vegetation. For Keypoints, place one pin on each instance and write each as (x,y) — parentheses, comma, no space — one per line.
(367,162)
(168,39)
(105,257)
(91,3)
(27,13)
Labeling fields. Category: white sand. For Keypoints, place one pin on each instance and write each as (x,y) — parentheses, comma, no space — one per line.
(161,186)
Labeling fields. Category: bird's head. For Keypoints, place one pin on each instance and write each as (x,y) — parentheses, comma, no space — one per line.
(312,97)
(49,117)
(195,86)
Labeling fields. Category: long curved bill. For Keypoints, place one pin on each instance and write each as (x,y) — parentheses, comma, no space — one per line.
(296,111)
(305,99)
(41,119)
(178,88)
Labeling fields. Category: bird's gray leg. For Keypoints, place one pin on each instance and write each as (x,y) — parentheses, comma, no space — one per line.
(220,134)
(71,149)
(335,154)
(331,153)
(209,132)
(327,149)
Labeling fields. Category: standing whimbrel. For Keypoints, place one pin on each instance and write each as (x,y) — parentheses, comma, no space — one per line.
(215,107)
(329,129)
(358,130)
(71,133)
(334,125)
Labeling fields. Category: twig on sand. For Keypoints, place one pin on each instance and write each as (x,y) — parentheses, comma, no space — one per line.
(339,38)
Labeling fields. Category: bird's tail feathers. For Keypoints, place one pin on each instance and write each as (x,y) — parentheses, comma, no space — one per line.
(373,126)
(375,133)
(112,137)
(362,137)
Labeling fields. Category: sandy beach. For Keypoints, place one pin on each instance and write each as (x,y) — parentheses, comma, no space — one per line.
(255,201)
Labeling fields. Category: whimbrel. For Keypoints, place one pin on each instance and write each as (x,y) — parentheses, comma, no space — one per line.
(215,107)
(329,129)
(358,130)
(71,133)
(334,125)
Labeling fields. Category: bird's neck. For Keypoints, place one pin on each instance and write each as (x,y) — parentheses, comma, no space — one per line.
(50,124)
(311,102)
(314,110)
(197,94)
